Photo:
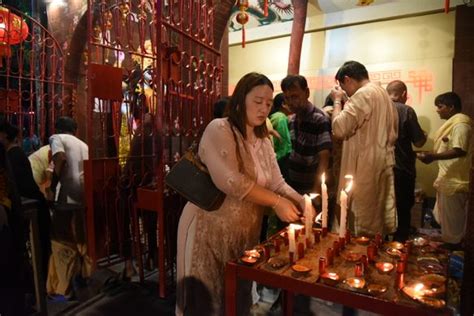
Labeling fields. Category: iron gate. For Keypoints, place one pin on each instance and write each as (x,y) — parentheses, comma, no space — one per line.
(153,75)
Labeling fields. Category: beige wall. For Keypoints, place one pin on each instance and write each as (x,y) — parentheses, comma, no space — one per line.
(417,50)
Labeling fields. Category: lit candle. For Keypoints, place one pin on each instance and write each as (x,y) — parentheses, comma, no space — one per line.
(324,195)
(308,218)
(418,290)
(384,267)
(343,202)
(291,238)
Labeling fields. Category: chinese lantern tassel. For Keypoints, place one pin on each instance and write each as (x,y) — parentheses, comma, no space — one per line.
(243,36)
(265,8)
(446,6)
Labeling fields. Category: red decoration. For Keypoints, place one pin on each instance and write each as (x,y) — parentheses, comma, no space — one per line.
(242,17)
(265,8)
(446,6)
(13,30)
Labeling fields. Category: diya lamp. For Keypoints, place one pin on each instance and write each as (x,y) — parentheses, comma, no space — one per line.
(330,278)
(300,250)
(250,256)
(322,265)
(365,261)
(248,259)
(348,236)
(330,256)
(362,240)
(384,267)
(355,283)
(359,269)
(376,289)
(401,266)
(335,247)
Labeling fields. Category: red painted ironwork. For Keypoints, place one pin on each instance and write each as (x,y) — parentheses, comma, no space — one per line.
(163,56)
(33,91)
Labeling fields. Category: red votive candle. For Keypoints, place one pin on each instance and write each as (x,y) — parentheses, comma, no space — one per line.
(348,236)
(371,251)
(322,265)
(401,266)
(335,246)
(408,246)
(365,261)
(342,243)
(378,240)
(329,256)
(300,250)
(359,269)
(324,231)
(317,235)
(276,243)
(404,256)
(292,257)
(399,281)
(267,251)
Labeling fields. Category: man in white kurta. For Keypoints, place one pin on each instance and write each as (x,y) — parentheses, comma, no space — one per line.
(453,151)
(368,125)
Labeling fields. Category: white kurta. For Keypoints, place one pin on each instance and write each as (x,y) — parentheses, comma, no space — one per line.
(368,124)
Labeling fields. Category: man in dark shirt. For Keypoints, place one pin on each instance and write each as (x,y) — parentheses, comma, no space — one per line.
(409,132)
(310,132)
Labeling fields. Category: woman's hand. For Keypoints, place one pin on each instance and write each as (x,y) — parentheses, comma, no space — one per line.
(286,210)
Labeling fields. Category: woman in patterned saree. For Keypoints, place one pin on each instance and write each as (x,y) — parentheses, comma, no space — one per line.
(242,164)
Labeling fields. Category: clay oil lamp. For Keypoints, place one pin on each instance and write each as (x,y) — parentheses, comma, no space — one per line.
(250,256)
(384,267)
(330,278)
(396,245)
(300,269)
(355,283)
(351,256)
(362,240)
(376,289)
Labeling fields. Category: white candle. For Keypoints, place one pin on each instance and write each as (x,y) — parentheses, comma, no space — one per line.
(308,218)
(343,202)
(324,195)
(291,238)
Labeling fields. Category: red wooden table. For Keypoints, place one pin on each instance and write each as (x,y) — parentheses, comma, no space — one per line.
(395,305)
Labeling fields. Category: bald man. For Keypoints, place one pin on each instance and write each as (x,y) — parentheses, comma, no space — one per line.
(409,132)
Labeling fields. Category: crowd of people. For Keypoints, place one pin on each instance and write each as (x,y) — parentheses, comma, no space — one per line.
(363,130)
(53,177)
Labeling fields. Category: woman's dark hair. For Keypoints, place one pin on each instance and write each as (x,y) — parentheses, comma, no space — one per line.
(352,69)
(449,99)
(10,130)
(237,106)
(65,124)
(278,102)
(220,107)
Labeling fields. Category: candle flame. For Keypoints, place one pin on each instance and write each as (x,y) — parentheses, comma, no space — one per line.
(296,226)
(419,287)
(318,217)
(323,178)
(349,182)
(313,195)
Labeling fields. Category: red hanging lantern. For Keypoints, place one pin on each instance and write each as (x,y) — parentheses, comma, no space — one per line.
(13,30)
(242,17)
